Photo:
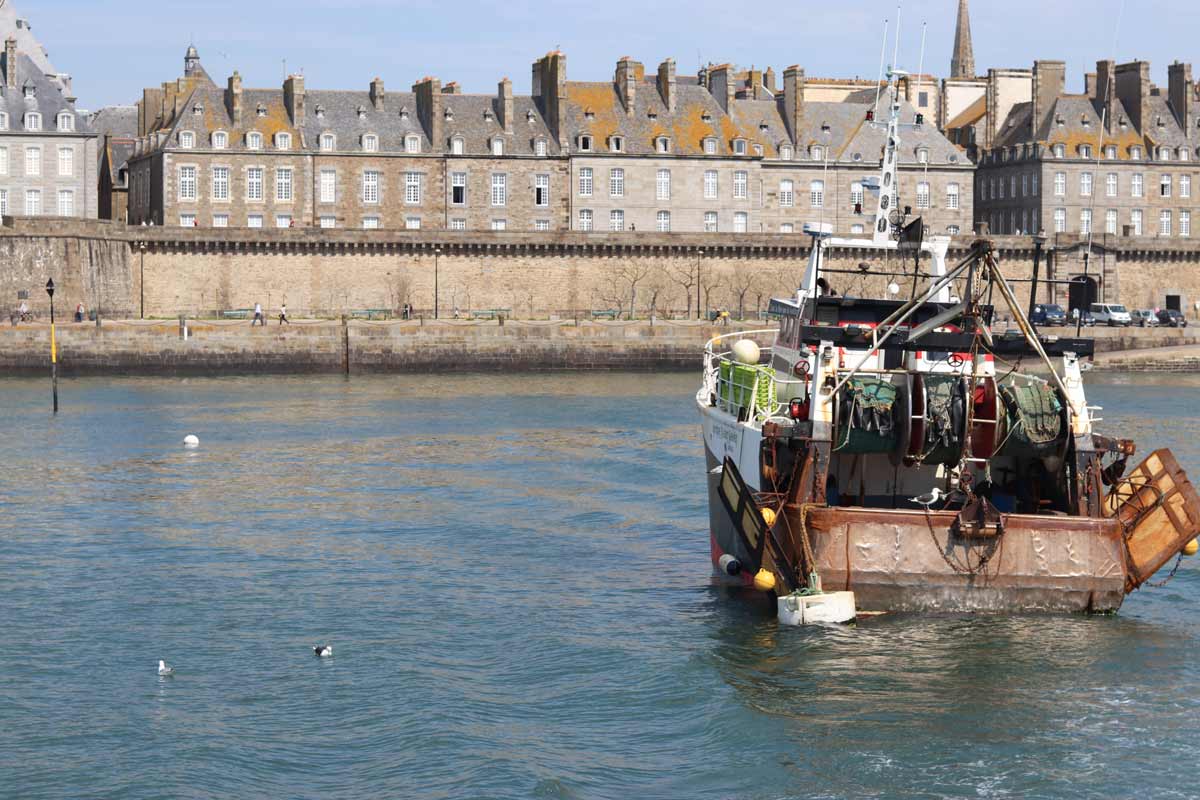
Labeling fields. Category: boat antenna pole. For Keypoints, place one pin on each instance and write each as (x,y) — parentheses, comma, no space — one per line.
(879,81)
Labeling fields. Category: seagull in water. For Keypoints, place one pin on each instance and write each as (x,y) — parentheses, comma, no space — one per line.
(164,669)
(928,499)
(323,651)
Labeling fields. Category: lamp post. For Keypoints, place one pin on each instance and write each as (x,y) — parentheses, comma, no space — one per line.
(699,255)
(1039,241)
(142,281)
(437,254)
(53,345)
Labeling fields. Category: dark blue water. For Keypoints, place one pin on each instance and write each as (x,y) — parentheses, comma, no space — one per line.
(514,574)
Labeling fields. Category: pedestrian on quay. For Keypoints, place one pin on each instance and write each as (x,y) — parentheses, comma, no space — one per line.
(79,312)
(283,315)
(258,316)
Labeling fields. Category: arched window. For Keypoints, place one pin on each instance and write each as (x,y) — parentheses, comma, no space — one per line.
(816,194)
(1060,151)
(497,146)
(412,143)
(816,152)
(370,143)
(220,140)
(283,141)
(540,147)
(1164,154)
(254,140)
(787,194)
(457,145)
(1135,153)
(328,142)
(739,147)
(662,145)
(710,146)
(922,155)
(785,152)
(616,144)
(66,122)
(33,121)
(187,140)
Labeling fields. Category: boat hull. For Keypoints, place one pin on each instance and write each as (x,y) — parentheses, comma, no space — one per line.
(910,561)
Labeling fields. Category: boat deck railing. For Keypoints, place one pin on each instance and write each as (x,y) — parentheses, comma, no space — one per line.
(727,387)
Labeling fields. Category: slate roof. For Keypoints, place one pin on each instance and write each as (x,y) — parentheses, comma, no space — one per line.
(47,98)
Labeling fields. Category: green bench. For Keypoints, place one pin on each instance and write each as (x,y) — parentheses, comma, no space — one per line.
(491,313)
(371,313)
(610,313)
(238,313)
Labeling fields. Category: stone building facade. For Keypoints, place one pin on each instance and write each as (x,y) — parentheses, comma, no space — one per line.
(48,154)
(722,151)
(1121,160)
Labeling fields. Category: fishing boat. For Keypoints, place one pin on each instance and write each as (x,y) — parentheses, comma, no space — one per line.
(897,455)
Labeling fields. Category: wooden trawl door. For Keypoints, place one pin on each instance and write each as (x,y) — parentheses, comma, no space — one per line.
(1160,512)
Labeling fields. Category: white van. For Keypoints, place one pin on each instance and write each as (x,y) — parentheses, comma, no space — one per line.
(1112,314)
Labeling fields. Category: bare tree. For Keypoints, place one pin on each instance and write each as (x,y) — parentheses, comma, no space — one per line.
(400,287)
(710,281)
(627,276)
(656,286)
(684,276)
(741,282)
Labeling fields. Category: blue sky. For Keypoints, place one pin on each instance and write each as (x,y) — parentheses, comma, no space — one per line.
(114,49)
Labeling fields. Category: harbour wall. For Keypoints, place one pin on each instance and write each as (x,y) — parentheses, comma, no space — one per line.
(419,346)
(134,272)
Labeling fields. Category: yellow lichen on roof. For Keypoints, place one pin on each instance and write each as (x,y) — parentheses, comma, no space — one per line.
(1072,139)
(601,100)
(690,129)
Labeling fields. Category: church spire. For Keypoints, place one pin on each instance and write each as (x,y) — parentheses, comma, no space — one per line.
(962,63)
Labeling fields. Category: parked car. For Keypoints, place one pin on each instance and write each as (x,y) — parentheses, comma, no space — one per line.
(1111,314)
(1088,320)
(1048,315)
(1144,318)
(1172,318)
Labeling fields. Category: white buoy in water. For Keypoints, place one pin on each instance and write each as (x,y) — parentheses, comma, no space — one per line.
(164,669)
(191,440)
(746,351)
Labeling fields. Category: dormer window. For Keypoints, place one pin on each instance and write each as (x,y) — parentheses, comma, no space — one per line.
(1164,154)
(283,141)
(362,112)
(616,144)
(320,112)
(30,91)
(220,140)
(404,112)
(1059,150)
(816,152)
(530,116)
(33,121)
(739,147)
(412,143)
(652,114)
(448,115)
(706,117)
(328,142)
(585,143)
(370,143)
(923,155)
(1135,153)
(457,145)
(488,115)
(1184,155)
(539,146)
(1085,121)
(1085,151)
(710,146)
(1160,122)
(762,125)
(589,115)
(260,110)
(1110,152)
(758,150)
(662,145)
(254,140)
(197,110)
(785,152)
(497,146)
(187,140)
(66,122)
(3,121)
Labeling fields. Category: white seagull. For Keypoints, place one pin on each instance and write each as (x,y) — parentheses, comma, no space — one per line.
(717,470)
(323,651)
(928,499)
(165,669)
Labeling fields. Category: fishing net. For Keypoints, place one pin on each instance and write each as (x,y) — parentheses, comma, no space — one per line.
(945,411)
(865,419)
(1035,420)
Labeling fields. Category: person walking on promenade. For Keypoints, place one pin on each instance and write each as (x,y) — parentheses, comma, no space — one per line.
(79,312)
(258,316)
(283,315)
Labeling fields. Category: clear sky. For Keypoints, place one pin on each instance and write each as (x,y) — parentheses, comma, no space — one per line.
(114,49)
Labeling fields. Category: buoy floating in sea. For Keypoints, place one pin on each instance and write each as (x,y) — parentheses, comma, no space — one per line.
(164,669)
(323,651)
(191,440)
(1192,547)
(764,581)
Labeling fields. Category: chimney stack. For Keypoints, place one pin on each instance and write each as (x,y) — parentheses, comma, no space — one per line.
(377,94)
(668,86)
(550,92)
(629,74)
(293,98)
(451,88)
(721,84)
(10,62)
(1179,93)
(1106,89)
(233,99)
(428,92)
(793,101)
(1049,82)
(1133,89)
(756,87)
(769,80)
(504,104)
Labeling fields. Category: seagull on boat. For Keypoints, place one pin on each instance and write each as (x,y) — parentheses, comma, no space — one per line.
(165,669)
(928,499)
(323,651)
